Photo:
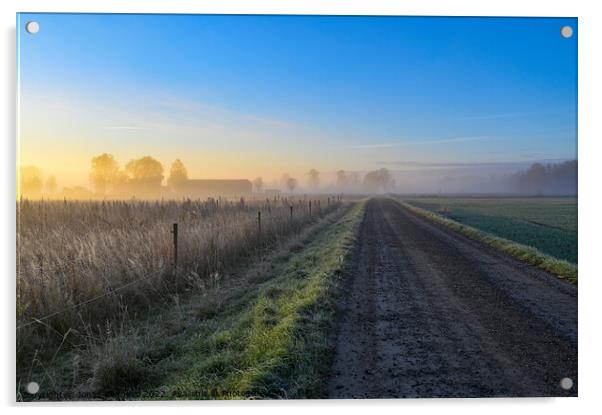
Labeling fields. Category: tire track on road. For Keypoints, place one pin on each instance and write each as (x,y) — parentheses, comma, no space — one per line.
(431,314)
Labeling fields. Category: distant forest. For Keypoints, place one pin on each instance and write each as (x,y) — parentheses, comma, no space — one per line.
(551,179)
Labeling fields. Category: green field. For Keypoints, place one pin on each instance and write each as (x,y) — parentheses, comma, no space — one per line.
(548,224)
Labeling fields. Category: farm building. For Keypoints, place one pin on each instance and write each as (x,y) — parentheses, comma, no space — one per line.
(202,189)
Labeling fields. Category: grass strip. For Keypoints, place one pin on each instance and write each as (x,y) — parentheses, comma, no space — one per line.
(280,343)
(532,256)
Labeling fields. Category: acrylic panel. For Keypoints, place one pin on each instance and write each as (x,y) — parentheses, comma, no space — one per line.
(267,207)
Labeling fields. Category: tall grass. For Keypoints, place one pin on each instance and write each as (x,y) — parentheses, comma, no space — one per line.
(83,264)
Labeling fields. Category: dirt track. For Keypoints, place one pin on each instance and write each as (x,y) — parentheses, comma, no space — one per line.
(429,313)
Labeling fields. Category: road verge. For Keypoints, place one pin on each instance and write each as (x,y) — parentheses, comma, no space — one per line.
(532,256)
(282,344)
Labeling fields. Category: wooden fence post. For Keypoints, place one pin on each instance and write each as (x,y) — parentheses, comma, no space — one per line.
(291,213)
(310,208)
(259,221)
(175,245)
(175,255)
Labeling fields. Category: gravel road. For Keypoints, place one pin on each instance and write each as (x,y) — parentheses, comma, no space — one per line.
(429,313)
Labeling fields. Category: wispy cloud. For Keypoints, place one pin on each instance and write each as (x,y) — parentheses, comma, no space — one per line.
(496,116)
(189,112)
(513,114)
(268,122)
(417,142)
(123,128)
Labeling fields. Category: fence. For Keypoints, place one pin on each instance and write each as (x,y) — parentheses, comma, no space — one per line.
(80,263)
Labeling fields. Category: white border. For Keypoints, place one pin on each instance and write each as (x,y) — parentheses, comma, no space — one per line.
(590,68)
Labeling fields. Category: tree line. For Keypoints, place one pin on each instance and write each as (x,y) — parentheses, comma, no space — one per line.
(107,177)
(549,179)
(145,172)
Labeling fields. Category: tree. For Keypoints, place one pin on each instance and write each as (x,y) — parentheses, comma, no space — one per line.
(51,184)
(379,180)
(291,183)
(104,173)
(284,179)
(258,184)
(30,181)
(538,179)
(177,174)
(341,179)
(145,171)
(353,179)
(314,178)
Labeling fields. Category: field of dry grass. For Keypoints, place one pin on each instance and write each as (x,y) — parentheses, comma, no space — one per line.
(84,267)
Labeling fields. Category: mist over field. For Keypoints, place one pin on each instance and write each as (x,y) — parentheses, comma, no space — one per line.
(146,178)
(541,178)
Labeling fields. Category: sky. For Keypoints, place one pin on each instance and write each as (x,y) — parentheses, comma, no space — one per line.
(247,96)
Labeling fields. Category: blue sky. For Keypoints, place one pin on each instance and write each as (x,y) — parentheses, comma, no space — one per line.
(258,95)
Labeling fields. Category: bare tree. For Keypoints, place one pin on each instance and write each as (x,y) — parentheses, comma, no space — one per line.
(314,178)
(104,173)
(379,180)
(284,179)
(291,184)
(30,181)
(341,179)
(258,184)
(354,179)
(51,184)
(177,174)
